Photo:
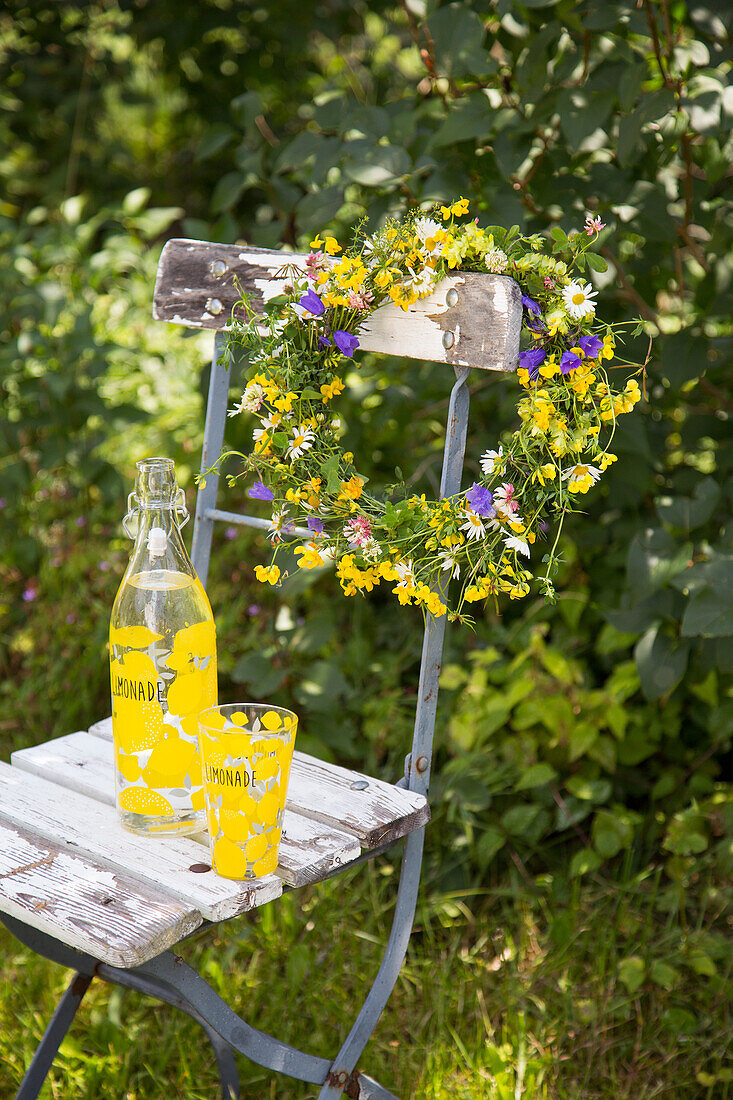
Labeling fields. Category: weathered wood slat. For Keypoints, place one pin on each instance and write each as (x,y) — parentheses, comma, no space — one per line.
(196,287)
(97,911)
(81,825)
(376,813)
(80,762)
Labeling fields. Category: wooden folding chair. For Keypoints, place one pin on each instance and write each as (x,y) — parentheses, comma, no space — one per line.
(77,889)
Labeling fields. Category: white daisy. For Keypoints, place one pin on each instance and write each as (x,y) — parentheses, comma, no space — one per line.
(474,525)
(422,282)
(278,524)
(426,229)
(496,260)
(515,543)
(269,424)
(578,300)
(302,441)
(491,459)
(406,574)
(581,477)
(449,561)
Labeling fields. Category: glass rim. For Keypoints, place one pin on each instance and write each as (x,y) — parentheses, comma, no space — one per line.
(219,707)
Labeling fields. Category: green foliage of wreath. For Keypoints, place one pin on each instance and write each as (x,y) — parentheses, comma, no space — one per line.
(485,536)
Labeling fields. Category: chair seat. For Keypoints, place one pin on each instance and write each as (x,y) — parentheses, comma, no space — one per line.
(68,868)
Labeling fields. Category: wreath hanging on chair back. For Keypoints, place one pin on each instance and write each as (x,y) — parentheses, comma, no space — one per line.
(486,536)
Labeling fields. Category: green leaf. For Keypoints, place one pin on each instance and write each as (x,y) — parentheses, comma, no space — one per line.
(661,973)
(661,661)
(709,614)
(690,512)
(457,34)
(596,262)
(598,790)
(519,819)
(259,674)
(215,139)
(330,470)
(490,842)
(536,776)
(580,738)
(631,972)
(654,557)
(375,165)
(470,117)
(584,862)
(227,191)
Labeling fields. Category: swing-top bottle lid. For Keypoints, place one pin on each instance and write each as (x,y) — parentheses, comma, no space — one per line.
(156,482)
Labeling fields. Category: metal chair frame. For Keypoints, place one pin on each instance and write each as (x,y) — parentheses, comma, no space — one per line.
(167,977)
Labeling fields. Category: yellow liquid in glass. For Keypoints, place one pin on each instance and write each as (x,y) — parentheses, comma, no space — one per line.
(163,672)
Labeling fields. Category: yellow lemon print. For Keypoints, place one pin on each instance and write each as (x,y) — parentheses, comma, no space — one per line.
(234,825)
(192,641)
(213,719)
(198,800)
(128,767)
(236,744)
(271,720)
(239,718)
(269,807)
(133,637)
(266,865)
(266,769)
(256,847)
(170,761)
(139,800)
(138,727)
(229,860)
(186,693)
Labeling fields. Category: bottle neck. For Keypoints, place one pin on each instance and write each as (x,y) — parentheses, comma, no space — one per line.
(158,543)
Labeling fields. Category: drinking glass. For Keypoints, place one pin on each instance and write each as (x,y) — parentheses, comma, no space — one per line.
(246,752)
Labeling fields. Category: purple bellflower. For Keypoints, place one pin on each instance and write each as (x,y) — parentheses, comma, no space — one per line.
(481,500)
(591,345)
(569,361)
(315,524)
(312,303)
(345,342)
(259,491)
(531,360)
(530,304)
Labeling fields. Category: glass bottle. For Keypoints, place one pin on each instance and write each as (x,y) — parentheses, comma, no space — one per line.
(163,664)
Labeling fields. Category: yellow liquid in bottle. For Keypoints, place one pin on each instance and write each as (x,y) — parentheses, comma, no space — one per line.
(163,670)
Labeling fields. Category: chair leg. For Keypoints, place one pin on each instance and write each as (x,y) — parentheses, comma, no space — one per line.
(53,1037)
(341,1077)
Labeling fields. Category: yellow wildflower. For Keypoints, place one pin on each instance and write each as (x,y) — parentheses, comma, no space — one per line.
(609,344)
(310,556)
(545,473)
(352,489)
(332,246)
(316,242)
(456,209)
(269,574)
(285,403)
(332,389)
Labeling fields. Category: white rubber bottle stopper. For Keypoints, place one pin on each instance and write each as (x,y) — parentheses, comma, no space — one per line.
(157,542)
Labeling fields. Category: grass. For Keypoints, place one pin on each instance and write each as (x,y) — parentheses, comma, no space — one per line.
(513,992)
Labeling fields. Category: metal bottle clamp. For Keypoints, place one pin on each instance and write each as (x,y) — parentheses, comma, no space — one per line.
(133,510)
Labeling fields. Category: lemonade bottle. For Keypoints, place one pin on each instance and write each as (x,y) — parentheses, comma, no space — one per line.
(163,665)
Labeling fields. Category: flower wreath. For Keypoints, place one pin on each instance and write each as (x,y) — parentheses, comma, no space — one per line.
(483,536)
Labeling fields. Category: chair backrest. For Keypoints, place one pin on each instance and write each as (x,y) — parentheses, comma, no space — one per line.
(470,320)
